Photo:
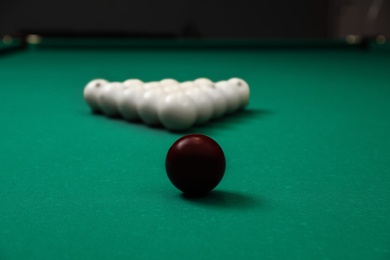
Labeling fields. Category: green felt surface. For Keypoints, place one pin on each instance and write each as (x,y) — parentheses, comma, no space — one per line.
(307,162)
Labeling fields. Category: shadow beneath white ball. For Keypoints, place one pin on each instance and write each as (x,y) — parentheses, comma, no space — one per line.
(230,121)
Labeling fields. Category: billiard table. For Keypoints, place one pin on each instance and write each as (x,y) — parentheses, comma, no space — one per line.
(307,162)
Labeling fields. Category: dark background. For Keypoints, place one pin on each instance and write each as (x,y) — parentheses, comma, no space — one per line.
(190,18)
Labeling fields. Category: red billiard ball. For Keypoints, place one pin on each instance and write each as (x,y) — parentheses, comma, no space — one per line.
(195,164)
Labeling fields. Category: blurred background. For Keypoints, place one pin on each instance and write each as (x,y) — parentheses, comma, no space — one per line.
(264,19)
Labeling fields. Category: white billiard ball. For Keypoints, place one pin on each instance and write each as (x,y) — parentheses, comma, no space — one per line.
(152,85)
(203,105)
(166,82)
(171,88)
(203,81)
(147,106)
(127,102)
(132,82)
(177,112)
(231,94)
(108,98)
(218,100)
(188,85)
(243,89)
(91,92)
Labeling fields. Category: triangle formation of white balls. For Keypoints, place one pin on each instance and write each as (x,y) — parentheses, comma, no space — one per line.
(174,105)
